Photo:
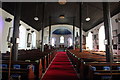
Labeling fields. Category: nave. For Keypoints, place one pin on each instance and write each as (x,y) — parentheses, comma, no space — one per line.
(60,69)
(52,41)
(61,64)
(31,67)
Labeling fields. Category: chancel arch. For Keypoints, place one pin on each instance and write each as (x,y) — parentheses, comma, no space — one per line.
(61,33)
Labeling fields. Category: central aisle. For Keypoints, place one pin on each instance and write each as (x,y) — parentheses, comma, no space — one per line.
(60,69)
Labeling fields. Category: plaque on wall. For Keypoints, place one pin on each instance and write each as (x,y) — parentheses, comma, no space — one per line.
(114,32)
(115,40)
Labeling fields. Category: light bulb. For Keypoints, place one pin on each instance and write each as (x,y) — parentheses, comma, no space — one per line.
(62,2)
(36,18)
(87,19)
(61,16)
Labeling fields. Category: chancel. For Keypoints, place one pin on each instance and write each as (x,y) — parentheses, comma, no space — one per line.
(60,40)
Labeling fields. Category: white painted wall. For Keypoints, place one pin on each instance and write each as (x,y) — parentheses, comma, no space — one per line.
(46,35)
(4,29)
(57,37)
(89,41)
(22,37)
(31,29)
(1,29)
(101,38)
(54,27)
(115,26)
(34,40)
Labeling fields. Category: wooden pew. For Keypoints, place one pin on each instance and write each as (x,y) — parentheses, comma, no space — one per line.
(43,59)
(23,69)
(89,57)
(99,53)
(22,74)
(79,59)
(103,70)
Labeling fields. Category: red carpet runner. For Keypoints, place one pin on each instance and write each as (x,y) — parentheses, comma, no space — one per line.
(60,69)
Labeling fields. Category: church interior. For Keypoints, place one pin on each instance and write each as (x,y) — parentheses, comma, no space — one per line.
(60,40)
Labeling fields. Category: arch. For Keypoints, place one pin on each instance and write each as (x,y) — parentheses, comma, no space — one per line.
(62,32)
(60,26)
(22,37)
(101,38)
(33,40)
(63,26)
(61,39)
(89,41)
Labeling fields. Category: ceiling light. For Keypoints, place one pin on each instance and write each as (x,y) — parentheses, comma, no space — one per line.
(61,16)
(62,2)
(87,19)
(36,18)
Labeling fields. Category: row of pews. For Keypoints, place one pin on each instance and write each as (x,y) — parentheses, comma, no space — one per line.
(91,66)
(31,65)
(90,56)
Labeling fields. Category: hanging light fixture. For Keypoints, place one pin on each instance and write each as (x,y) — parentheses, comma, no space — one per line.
(62,2)
(36,17)
(117,20)
(87,18)
(61,16)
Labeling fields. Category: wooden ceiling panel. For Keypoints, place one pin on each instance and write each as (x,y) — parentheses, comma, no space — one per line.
(69,10)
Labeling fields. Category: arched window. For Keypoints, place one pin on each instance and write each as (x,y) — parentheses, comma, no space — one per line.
(101,38)
(69,41)
(33,40)
(89,41)
(53,41)
(22,37)
(61,39)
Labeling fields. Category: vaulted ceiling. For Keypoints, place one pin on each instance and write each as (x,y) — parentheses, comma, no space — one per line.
(69,10)
(62,32)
